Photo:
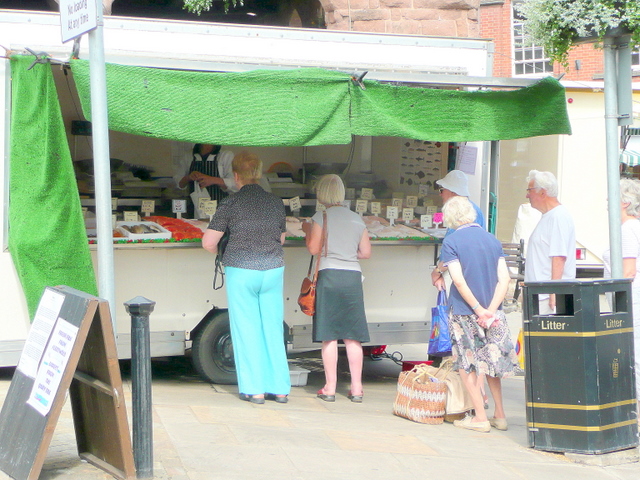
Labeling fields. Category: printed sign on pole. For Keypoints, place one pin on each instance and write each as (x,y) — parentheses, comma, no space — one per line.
(77,17)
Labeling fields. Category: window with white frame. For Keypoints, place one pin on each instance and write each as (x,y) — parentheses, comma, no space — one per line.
(528,58)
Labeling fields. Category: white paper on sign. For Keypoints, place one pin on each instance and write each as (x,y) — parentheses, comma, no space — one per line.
(52,367)
(467,157)
(46,315)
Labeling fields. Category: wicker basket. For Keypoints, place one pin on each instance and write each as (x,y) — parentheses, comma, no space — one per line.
(421,397)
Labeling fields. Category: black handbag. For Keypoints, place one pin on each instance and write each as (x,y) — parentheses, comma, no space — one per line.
(219,269)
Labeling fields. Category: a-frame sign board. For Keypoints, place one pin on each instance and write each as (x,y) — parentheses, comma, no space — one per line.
(71,346)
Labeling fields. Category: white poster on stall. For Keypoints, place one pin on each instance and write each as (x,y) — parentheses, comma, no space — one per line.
(467,158)
(46,315)
(54,362)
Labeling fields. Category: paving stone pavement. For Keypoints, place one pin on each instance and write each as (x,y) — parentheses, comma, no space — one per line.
(204,432)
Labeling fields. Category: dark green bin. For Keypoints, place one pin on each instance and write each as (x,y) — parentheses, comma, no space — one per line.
(579,368)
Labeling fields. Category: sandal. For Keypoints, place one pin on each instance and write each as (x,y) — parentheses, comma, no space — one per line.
(327,398)
(355,398)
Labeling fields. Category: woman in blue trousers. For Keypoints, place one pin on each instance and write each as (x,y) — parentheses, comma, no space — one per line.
(254,266)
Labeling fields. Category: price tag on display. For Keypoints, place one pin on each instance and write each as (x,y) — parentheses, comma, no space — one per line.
(320,207)
(412,201)
(210,207)
(130,216)
(179,206)
(407,214)
(437,218)
(294,204)
(392,214)
(347,204)
(201,202)
(432,209)
(148,206)
(423,190)
(114,219)
(114,204)
(366,193)
(361,206)
(397,202)
(350,193)
(376,208)
(426,221)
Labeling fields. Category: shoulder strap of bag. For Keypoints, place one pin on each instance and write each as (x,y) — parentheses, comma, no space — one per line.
(323,249)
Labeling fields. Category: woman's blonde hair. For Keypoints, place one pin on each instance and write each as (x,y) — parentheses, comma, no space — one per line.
(248,167)
(330,190)
(458,211)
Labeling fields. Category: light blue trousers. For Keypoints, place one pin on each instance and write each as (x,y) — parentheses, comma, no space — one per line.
(256,314)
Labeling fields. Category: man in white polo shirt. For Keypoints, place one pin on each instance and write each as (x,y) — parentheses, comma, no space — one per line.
(551,252)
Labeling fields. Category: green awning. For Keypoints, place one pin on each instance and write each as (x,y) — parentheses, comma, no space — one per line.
(312,106)
(630,157)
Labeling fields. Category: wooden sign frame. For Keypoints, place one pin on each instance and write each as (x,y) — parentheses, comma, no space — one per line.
(92,377)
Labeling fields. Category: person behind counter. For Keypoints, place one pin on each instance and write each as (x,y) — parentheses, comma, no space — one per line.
(480,339)
(339,297)
(254,267)
(630,228)
(211,168)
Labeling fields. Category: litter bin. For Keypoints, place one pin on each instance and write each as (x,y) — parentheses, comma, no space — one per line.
(579,367)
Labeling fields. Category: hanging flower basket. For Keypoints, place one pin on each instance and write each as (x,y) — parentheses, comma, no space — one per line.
(559,25)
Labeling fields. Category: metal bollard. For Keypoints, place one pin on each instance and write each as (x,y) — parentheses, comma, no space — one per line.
(139,309)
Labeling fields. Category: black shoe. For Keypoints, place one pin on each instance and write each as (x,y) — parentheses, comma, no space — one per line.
(276,398)
(251,398)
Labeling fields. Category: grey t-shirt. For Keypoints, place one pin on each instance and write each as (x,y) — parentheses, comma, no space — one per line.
(344,231)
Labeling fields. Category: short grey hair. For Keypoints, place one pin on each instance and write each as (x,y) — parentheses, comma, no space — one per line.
(458,211)
(630,193)
(544,181)
(330,190)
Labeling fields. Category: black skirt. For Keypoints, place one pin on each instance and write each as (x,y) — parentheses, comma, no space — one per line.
(339,307)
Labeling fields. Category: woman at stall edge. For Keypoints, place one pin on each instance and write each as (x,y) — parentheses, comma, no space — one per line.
(480,337)
(630,233)
(340,311)
(254,267)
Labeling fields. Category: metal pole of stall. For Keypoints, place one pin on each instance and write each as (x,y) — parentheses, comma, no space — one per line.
(139,309)
(101,163)
(613,161)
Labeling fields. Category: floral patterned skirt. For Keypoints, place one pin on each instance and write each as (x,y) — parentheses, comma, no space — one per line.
(489,351)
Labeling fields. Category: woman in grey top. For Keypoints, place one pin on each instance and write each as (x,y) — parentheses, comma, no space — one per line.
(254,266)
(339,299)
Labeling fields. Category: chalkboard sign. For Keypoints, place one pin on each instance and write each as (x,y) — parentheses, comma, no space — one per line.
(70,347)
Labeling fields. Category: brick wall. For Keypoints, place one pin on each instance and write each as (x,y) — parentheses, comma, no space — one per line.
(449,18)
(495,23)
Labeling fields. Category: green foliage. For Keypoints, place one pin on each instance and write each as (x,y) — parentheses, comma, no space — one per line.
(558,25)
(199,6)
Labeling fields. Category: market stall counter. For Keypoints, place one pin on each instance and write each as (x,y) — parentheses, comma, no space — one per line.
(177,273)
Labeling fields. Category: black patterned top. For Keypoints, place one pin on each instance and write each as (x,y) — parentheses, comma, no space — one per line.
(256,221)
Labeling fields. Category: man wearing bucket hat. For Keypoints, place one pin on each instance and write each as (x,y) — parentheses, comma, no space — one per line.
(454,184)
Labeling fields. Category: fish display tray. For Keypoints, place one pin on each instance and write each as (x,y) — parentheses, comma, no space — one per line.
(163,232)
